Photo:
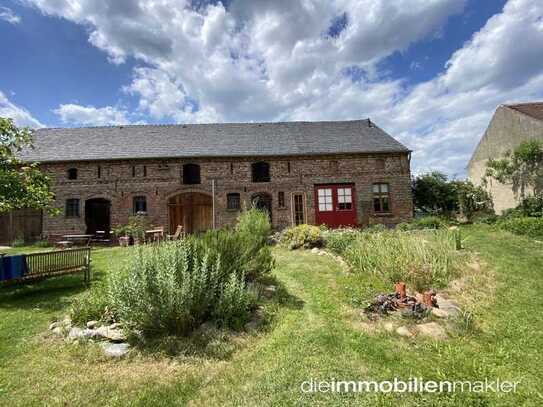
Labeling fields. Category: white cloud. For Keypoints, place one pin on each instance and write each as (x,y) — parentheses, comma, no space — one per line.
(73,114)
(20,116)
(273,60)
(8,15)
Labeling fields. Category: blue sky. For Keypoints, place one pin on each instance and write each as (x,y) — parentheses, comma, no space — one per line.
(430,72)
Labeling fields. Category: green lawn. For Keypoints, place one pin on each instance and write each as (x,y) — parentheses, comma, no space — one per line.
(315,332)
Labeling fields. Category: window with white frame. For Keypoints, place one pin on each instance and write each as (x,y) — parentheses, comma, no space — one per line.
(325,199)
(345,199)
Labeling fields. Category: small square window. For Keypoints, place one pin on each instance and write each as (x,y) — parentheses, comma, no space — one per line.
(233,201)
(325,199)
(72,208)
(140,204)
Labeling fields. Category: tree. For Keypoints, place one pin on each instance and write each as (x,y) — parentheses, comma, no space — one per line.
(22,185)
(523,168)
(433,193)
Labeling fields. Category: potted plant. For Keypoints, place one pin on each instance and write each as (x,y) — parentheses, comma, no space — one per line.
(122,233)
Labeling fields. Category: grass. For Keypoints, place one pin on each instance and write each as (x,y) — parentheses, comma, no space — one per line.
(314,333)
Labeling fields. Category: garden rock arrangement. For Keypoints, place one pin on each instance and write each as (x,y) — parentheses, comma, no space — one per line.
(112,336)
(417,307)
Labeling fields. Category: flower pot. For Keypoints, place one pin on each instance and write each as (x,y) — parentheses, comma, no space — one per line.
(124,241)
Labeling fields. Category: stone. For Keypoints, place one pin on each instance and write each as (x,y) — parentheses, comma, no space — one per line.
(269,291)
(115,325)
(322,253)
(54,325)
(114,335)
(58,331)
(432,330)
(404,331)
(315,250)
(92,324)
(388,326)
(440,313)
(450,307)
(116,350)
(75,333)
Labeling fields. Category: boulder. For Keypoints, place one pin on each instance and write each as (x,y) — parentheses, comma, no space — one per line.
(388,326)
(440,313)
(269,291)
(116,350)
(54,325)
(315,250)
(58,331)
(92,324)
(113,335)
(432,330)
(450,307)
(75,333)
(404,331)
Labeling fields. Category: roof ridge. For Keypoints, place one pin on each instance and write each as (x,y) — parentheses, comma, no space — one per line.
(204,124)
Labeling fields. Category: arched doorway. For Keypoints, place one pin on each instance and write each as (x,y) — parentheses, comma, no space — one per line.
(262,201)
(192,210)
(98,216)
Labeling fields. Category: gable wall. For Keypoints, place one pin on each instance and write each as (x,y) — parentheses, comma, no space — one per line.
(507,129)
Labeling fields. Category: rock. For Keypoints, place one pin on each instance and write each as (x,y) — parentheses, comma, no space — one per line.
(75,333)
(54,325)
(92,324)
(114,335)
(115,325)
(404,331)
(450,307)
(388,326)
(315,250)
(116,350)
(432,330)
(269,291)
(252,325)
(440,313)
(206,329)
(322,253)
(58,331)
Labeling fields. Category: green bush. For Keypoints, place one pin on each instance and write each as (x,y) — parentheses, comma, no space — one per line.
(306,236)
(422,259)
(340,239)
(527,226)
(428,222)
(91,305)
(174,287)
(18,242)
(42,243)
(243,249)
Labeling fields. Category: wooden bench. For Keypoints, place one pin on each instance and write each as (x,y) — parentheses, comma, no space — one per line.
(56,263)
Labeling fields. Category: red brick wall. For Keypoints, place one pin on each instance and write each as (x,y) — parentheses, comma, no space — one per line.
(163,180)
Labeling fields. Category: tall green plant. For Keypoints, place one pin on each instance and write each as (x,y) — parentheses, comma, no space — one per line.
(523,168)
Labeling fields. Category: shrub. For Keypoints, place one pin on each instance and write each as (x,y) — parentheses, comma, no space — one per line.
(42,243)
(423,260)
(173,287)
(306,236)
(244,249)
(428,222)
(527,226)
(18,242)
(92,305)
(340,239)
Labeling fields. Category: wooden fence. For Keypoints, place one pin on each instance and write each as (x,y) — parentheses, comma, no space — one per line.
(20,224)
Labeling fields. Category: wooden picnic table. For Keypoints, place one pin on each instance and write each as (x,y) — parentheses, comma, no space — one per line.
(155,234)
(74,238)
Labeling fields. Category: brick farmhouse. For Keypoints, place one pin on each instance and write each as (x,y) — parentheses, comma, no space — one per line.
(201,176)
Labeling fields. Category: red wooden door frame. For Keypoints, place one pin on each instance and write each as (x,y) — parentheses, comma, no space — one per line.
(335,217)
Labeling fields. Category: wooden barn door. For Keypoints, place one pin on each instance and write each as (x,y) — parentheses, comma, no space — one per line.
(193,211)
(335,205)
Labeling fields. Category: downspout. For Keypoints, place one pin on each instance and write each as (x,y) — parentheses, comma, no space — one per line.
(213,200)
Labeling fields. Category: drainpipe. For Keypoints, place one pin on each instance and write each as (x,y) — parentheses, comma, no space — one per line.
(213,200)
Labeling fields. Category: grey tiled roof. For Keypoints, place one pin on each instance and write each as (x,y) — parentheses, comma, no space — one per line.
(210,140)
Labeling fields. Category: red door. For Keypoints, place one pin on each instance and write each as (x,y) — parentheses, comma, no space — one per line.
(335,205)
